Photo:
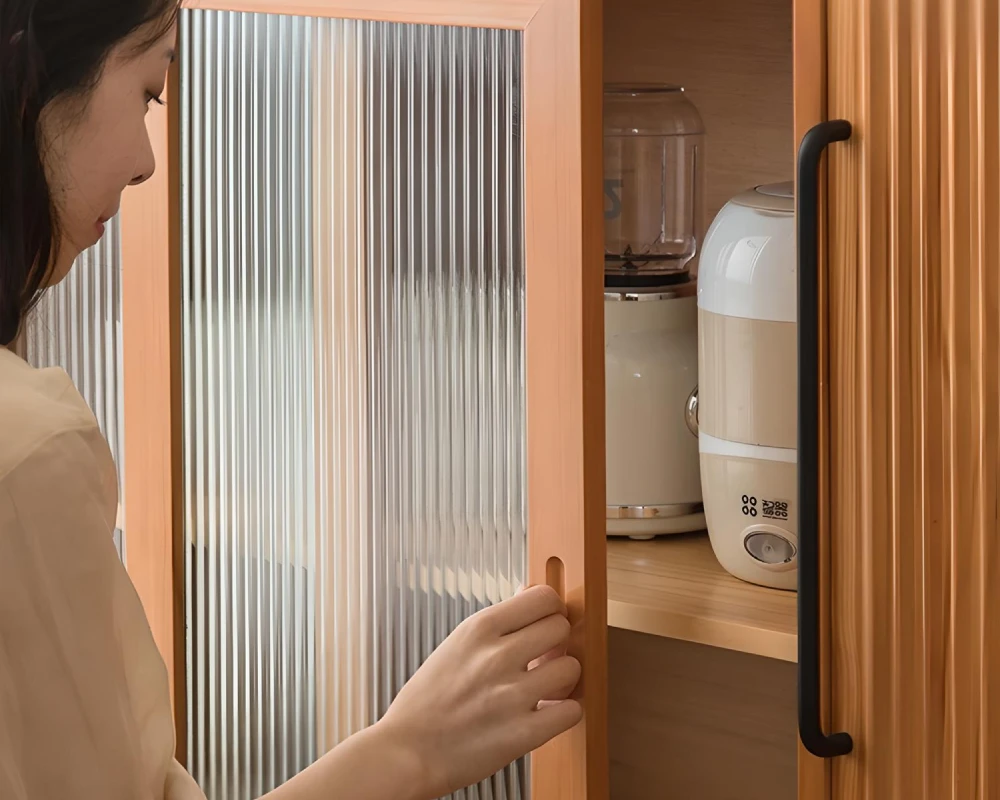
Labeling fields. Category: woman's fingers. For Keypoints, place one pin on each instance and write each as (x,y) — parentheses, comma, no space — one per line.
(552,719)
(553,680)
(556,652)
(537,640)
(479,676)
(524,609)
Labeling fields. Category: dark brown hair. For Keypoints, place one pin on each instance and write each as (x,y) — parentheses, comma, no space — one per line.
(48,49)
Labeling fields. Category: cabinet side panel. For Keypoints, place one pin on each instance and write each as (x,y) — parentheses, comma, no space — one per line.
(809,71)
(915,384)
(564,355)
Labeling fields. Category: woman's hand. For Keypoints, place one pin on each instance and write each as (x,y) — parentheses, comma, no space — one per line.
(493,691)
(474,706)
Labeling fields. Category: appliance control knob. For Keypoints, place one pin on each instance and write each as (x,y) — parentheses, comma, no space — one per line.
(769,548)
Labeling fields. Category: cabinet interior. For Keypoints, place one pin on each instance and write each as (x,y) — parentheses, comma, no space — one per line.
(734,60)
(689,720)
(694,722)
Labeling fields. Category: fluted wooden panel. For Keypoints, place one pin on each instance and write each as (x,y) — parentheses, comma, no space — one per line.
(914,376)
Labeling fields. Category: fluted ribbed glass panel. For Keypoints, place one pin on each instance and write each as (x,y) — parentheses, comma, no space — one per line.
(77,326)
(353,372)
(444,301)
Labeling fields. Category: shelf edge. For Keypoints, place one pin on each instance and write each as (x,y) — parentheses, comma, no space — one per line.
(716,633)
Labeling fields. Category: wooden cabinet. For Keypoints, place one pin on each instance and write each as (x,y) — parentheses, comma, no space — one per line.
(693,694)
(913,273)
(909,409)
(702,676)
(702,686)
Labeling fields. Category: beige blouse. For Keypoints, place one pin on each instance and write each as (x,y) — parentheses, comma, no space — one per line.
(84,704)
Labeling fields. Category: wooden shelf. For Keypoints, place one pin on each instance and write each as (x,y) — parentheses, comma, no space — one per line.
(674,587)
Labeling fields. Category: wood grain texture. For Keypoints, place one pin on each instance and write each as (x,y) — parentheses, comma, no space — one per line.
(734,58)
(675,587)
(809,84)
(690,722)
(514,14)
(563,150)
(151,371)
(914,253)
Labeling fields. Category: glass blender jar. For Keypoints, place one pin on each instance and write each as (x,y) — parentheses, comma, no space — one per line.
(654,142)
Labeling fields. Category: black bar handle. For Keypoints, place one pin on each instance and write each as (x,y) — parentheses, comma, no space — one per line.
(807,223)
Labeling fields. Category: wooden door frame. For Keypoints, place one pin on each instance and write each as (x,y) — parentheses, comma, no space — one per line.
(562,96)
(809,87)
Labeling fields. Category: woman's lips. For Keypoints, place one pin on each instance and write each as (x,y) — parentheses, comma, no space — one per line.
(100,225)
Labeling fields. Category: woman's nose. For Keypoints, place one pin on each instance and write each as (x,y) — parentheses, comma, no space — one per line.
(145,165)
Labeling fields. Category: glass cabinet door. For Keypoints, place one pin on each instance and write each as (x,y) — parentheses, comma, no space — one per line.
(353,371)
(385,381)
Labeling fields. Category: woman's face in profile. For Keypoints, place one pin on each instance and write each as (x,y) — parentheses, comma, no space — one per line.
(96,145)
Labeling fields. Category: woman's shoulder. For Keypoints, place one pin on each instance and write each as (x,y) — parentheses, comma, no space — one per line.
(36,406)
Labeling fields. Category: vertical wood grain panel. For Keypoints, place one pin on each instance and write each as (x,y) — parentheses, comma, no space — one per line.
(809,71)
(565,362)
(151,367)
(677,708)
(914,253)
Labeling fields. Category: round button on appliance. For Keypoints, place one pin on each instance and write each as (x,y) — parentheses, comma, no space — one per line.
(769,547)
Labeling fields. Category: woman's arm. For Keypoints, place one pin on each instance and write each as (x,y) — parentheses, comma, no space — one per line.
(470,710)
(370,764)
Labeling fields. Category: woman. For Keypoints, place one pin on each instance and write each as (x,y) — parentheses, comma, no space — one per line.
(84,702)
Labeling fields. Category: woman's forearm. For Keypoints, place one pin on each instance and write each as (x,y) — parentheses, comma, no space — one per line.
(372,765)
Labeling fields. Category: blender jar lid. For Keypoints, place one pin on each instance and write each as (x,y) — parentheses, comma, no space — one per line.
(649,109)
(778,197)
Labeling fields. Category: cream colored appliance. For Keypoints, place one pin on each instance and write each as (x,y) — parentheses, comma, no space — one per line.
(651,363)
(653,140)
(747,403)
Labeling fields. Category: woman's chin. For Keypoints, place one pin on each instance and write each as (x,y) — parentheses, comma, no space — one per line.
(63,264)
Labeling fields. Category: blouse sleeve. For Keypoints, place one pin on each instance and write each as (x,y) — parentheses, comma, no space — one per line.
(84,701)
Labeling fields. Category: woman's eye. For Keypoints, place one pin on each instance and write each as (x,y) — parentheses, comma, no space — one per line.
(154,98)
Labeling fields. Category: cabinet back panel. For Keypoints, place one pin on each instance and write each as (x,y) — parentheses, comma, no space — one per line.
(734,58)
(693,722)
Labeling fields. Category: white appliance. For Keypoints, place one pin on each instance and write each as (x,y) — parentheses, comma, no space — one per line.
(653,184)
(747,401)
(651,372)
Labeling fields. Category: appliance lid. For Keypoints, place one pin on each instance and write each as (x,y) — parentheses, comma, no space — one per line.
(778,197)
(748,266)
(649,109)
